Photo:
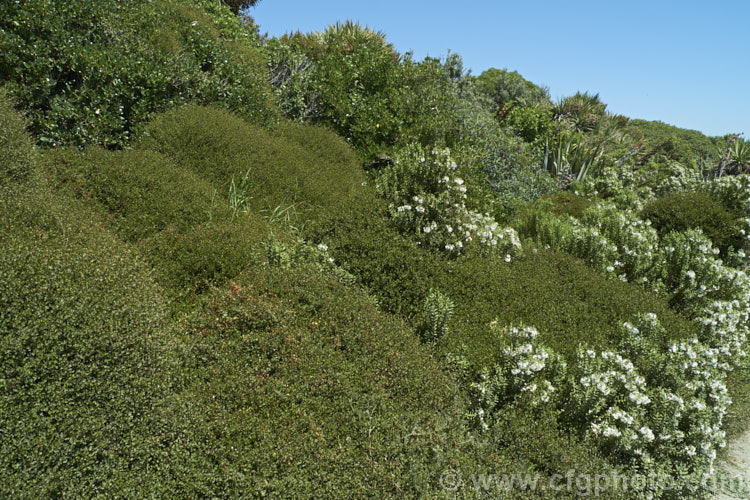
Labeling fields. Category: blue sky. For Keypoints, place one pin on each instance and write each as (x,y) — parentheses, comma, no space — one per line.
(684,63)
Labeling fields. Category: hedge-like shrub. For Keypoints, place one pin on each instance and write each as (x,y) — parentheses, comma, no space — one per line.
(281,172)
(694,210)
(142,192)
(82,356)
(16,147)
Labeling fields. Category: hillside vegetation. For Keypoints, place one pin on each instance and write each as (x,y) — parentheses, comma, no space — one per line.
(309,267)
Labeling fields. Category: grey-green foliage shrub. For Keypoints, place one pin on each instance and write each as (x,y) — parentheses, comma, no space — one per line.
(512,169)
(90,72)
(17,153)
(84,384)
(439,310)
(308,167)
(142,192)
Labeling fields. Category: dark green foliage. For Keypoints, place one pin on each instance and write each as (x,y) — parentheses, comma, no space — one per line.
(693,210)
(81,354)
(567,203)
(142,192)
(680,144)
(208,254)
(583,111)
(238,5)
(89,72)
(307,168)
(16,147)
(307,390)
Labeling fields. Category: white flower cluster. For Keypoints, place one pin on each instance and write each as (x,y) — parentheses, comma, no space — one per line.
(428,200)
(525,369)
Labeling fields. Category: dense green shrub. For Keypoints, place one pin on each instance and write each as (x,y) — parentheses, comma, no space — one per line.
(533,123)
(90,72)
(16,147)
(350,78)
(82,356)
(306,168)
(568,203)
(304,381)
(509,86)
(694,210)
(208,254)
(511,170)
(142,192)
(556,293)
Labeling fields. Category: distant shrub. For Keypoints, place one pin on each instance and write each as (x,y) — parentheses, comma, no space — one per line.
(568,203)
(694,210)
(350,78)
(142,192)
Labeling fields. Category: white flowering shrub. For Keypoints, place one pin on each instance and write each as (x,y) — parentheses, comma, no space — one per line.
(610,399)
(693,271)
(287,255)
(678,177)
(427,199)
(733,191)
(656,409)
(525,369)
(636,242)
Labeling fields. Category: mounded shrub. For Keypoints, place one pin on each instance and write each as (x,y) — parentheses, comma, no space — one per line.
(306,389)
(208,254)
(16,147)
(142,192)
(219,146)
(694,210)
(82,356)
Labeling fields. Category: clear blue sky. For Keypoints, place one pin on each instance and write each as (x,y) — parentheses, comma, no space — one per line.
(686,63)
